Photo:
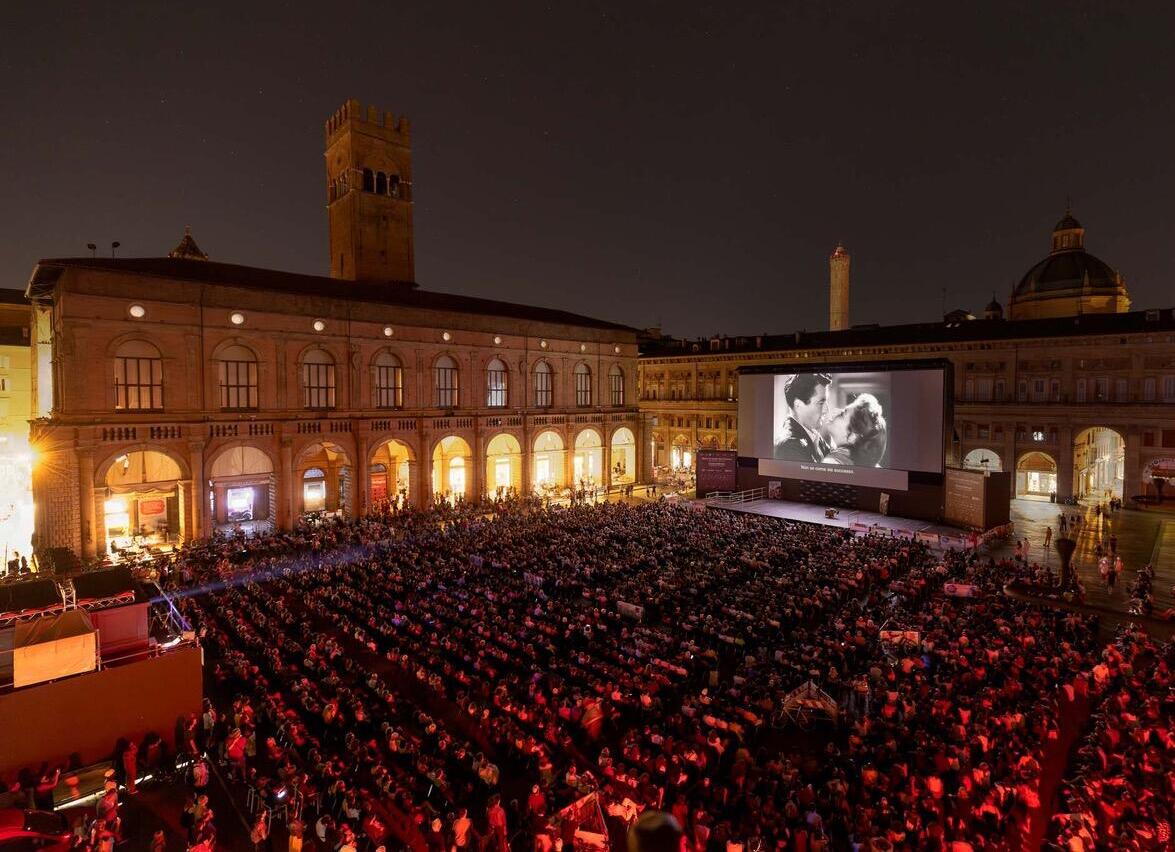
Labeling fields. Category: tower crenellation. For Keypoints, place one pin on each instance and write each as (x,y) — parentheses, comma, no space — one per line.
(373,119)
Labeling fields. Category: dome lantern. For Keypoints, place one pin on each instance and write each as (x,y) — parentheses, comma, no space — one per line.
(1068,235)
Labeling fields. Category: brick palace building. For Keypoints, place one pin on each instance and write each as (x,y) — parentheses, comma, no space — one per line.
(1072,390)
(175,395)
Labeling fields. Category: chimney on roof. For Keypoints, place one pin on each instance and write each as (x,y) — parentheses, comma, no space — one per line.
(838,289)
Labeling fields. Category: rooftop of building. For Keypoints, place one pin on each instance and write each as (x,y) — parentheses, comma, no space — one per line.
(13,297)
(399,293)
(953,331)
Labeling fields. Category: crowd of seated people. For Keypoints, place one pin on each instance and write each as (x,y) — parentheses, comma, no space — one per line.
(1120,790)
(452,678)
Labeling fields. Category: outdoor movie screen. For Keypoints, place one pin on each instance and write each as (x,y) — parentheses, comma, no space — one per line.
(859,427)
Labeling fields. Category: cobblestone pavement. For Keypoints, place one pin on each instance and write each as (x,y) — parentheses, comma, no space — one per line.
(1142,536)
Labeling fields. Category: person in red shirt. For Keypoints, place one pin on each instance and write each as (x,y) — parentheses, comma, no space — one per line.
(496,815)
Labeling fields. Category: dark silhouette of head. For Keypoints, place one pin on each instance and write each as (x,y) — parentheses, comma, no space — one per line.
(656,831)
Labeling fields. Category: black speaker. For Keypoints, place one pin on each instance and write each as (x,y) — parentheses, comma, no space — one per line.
(105,583)
(29,595)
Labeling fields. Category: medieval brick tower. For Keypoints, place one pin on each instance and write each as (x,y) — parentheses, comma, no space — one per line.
(369,195)
(838,289)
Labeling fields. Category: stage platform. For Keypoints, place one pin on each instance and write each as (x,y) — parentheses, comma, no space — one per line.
(854,519)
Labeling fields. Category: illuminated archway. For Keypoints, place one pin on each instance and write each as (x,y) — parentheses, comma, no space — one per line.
(1099,463)
(142,499)
(623,456)
(548,471)
(503,465)
(1036,476)
(983,459)
(242,487)
(452,470)
(681,456)
(323,480)
(390,473)
(588,461)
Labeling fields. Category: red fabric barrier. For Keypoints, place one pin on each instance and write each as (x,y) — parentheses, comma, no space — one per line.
(122,630)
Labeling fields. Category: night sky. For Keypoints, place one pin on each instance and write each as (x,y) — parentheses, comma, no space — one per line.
(678,163)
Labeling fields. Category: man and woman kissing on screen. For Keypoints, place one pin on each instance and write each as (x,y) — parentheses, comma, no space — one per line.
(852,435)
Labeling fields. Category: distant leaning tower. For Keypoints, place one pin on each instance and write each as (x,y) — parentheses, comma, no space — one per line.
(369,195)
(838,289)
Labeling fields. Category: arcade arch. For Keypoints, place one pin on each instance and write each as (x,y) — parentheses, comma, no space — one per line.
(548,475)
(390,473)
(452,469)
(242,488)
(1099,463)
(1036,476)
(323,480)
(503,465)
(588,461)
(142,499)
(623,456)
(983,459)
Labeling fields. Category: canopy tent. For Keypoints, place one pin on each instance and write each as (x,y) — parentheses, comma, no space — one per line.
(51,648)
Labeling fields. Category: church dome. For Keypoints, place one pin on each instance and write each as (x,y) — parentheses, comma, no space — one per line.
(1066,272)
(1069,281)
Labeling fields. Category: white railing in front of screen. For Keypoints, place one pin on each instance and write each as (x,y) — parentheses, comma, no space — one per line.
(747,496)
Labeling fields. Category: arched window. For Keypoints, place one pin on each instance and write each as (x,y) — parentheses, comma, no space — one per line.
(544,392)
(394,186)
(237,375)
(496,384)
(368,180)
(445,382)
(381,184)
(318,380)
(138,377)
(388,381)
(583,385)
(616,384)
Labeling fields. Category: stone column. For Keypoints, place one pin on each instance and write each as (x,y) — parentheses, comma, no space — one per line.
(1132,472)
(86,503)
(606,458)
(569,461)
(285,485)
(527,461)
(1064,462)
(202,514)
(333,489)
(188,510)
(363,475)
(476,477)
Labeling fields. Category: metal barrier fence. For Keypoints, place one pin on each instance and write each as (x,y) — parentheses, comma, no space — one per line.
(748,496)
